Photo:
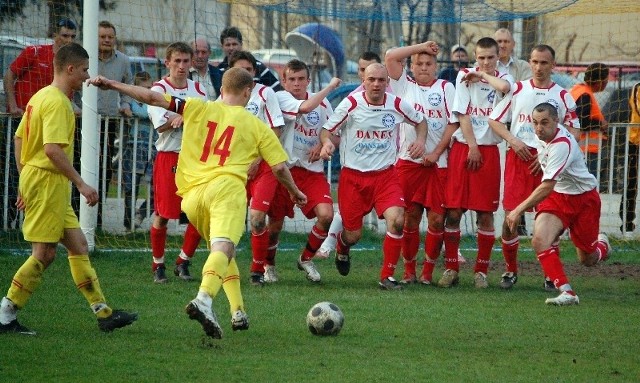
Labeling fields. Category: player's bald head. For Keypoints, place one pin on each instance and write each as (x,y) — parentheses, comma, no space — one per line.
(236,80)
(375,70)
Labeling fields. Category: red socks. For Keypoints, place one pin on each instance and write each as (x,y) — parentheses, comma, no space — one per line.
(391,248)
(510,252)
(486,239)
(314,241)
(451,247)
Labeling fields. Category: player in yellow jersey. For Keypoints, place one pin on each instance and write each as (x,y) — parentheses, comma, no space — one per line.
(44,153)
(219,142)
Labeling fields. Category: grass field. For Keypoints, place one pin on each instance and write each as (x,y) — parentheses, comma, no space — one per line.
(420,334)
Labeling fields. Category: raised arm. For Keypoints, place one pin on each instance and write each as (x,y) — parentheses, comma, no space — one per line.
(394,57)
(315,100)
(139,93)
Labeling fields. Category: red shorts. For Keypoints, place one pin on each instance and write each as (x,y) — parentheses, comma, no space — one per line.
(580,213)
(166,201)
(261,189)
(431,196)
(313,184)
(519,183)
(360,192)
(412,177)
(477,190)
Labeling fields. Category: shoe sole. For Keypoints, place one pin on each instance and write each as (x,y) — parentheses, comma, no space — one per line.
(132,318)
(210,328)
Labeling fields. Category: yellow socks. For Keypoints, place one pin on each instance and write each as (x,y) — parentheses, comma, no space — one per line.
(213,272)
(231,285)
(86,281)
(25,282)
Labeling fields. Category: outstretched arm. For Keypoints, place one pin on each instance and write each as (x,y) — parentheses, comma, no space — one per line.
(315,100)
(139,93)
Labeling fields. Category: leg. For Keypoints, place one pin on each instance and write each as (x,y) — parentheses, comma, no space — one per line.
(189,245)
(630,195)
(510,244)
(324,214)
(411,242)
(259,245)
(274,227)
(451,240)
(391,246)
(432,245)
(486,240)
(158,241)
(330,242)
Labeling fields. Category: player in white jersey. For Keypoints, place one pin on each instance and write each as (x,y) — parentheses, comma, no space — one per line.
(304,114)
(423,179)
(521,173)
(262,184)
(169,128)
(475,160)
(566,199)
(366,123)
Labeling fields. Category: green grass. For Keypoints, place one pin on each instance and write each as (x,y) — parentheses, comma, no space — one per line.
(421,334)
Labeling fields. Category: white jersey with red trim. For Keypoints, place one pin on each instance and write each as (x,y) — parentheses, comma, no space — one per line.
(518,105)
(368,131)
(563,161)
(435,102)
(171,139)
(301,132)
(477,100)
(263,104)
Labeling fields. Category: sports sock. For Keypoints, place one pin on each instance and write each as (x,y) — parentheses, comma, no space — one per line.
(213,272)
(231,286)
(486,239)
(341,246)
(552,266)
(410,246)
(432,246)
(510,252)
(189,243)
(451,246)
(601,250)
(25,281)
(391,248)
(330,242)
(259,247)
(86,280)
(314,240)
(271,253)
(158,241)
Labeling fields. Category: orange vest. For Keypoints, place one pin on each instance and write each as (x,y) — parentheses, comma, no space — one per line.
(634,106)
(589,140)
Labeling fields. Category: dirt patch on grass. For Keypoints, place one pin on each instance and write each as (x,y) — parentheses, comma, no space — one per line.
(613,269)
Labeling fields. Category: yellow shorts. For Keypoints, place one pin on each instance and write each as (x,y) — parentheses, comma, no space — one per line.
(218,208)
(48,211)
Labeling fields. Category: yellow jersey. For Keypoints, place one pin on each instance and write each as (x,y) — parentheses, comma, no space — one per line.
(48,119)
(219,139)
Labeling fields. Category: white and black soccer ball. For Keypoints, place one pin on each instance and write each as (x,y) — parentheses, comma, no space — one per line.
(325,318)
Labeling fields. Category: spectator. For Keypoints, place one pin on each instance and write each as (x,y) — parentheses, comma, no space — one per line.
(140,141)
(629,198)
(592,122)
(459,60)
(44,148)
(202,72)
(113,65)
(231,41)
(31,71)
(518,69)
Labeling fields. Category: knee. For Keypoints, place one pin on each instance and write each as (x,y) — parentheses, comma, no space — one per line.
(351,237)
(258,222)
(324,221)
(589,260)
(436,223)
(539,244)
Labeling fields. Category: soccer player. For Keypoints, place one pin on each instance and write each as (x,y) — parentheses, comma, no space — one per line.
(422,179)
(305,113)
(367,124)
(566,199)
(262,183)
(221,140)
(44,155)
(475,160)
(521,173)
(168,124)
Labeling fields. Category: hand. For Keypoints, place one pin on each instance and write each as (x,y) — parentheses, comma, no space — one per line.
(430,159)
(521,149)
(472,77)
(431,47)
(416,149)
(15,111)
(100,82)
(20,205)
(298,198)
(314,153)
(335,82)
(474,158)
(512,220)
(327,150)
(177,121)
(126,111)
(253,169)
(89,193)
(535,168)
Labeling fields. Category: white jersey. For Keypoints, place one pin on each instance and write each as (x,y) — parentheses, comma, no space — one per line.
(563,161)
(434,102)
(477,100)
(368,131)
(263,104)
(171,139)
(518,105)
(301,132)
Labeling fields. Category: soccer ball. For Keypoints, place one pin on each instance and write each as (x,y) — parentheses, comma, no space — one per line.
(325,318)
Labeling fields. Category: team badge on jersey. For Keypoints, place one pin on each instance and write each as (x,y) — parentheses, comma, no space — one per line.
(491,96)
(553,102)
(252,107)
(435,99)
(313,118)
(388,120)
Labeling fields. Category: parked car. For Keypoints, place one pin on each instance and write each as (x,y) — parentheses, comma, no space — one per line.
(154,66)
